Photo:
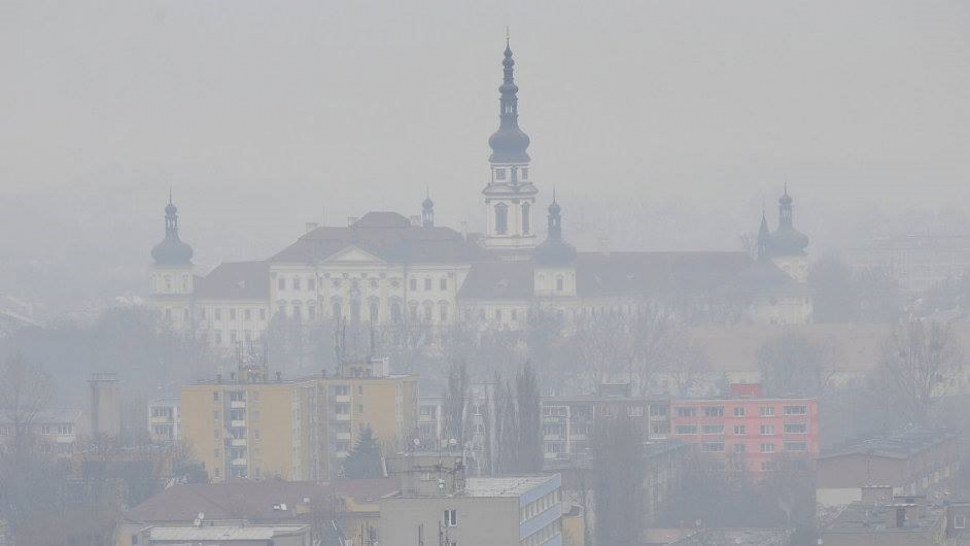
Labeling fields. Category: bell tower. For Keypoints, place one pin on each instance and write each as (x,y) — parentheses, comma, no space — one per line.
(510,195)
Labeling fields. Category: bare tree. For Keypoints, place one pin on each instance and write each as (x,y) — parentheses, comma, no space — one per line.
(529,413)
(618,481)
(25,389)
(455,401)
(791,363)
(919,361)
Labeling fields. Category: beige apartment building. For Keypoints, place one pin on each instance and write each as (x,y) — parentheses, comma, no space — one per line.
(252,426)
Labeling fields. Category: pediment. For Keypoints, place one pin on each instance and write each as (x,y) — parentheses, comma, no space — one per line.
(353,254)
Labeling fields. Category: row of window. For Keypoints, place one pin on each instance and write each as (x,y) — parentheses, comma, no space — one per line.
(718,447)
(232,314)
(740,430)
(539,506)
(236,336)
(298,284)
(500,173)
(544,535)
(739,411)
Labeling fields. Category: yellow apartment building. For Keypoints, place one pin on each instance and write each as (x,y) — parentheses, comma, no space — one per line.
(252,426)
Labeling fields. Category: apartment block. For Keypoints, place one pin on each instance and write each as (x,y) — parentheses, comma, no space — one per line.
(164,420)
(568,422)
(251,426)
(747,432)
(437,504)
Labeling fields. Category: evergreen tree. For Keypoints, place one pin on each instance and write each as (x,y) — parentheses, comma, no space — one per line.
(364,461)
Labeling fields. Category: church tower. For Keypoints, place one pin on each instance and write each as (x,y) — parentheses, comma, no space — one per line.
(787,245)
(510,195)
(171,275)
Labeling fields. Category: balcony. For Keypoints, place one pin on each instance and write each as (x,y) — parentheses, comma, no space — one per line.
(341,398)
(237,404)
(238,462)
(238,442)
(237,423)
(342,436)
(341,417)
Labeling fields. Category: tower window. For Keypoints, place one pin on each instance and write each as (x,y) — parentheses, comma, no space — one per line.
(525,218)
(501,219)
(559,284)
(499,174)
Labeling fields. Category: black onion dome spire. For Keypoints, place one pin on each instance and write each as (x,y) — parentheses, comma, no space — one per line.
(509,143)
(786,240)
(554,250)
(172,251)
(764,239)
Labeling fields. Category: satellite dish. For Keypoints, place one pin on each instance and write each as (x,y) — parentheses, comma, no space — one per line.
(417,442)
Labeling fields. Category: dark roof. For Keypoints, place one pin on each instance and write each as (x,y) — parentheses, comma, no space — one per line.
(613,274)
(626,273)
(387,235)
(899,446)
(499,280)
(235,281)
(255,501)
(368,490)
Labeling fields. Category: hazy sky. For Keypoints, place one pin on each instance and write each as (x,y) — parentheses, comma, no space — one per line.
(261,115)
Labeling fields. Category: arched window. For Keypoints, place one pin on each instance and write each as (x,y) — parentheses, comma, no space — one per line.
(501,218)
(413,311)
(374,310)
(396,312)
(168,283)
(297,310)
(428,309)
(559,283)
(185,283)
(336,311)
(443,312)
(525,218)
(311,311)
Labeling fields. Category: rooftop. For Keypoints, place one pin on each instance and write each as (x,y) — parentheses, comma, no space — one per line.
(513,486)
(225,533)
(866,518)
(899,446)
(251,500)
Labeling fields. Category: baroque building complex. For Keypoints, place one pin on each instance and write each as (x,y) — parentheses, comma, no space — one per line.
(386,269)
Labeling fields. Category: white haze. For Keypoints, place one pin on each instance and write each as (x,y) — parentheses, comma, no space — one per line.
(665,124)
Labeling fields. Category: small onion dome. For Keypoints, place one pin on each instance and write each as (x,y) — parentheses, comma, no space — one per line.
(508,146)
(785,199)
(427,204)
(787,241)
(554,253)
(554,208)
(172,251)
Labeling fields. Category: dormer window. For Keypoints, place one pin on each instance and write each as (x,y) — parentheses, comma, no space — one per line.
(499,174)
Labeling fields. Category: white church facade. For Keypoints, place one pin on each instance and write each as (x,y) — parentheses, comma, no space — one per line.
(387,269)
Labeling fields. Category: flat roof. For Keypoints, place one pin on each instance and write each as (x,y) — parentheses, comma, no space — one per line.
(864,518)
(513,486)
(898,446)
(225,532)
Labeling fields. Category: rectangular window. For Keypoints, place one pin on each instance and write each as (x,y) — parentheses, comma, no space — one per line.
(296,283)
(767,448)
(360,408)
(340,390)
(686,412)
(714,411)
(713,429)
(413,283)
(739,448)
(766,411)
(311,284)
(959,521)
(767,466)
(427,284)
(739,430)
(712,446)
(796,428)
(232,314)
(443,283)
(767,430)
(635,411)
(248,314)
(499,174)
(796,446)
(215,434)
(686,429)
(218,314)
(796,410)
(739,411)
(215,415)
(660,428)
(281,284)
(215,396)
(658,411)
(262,314)
(360,389)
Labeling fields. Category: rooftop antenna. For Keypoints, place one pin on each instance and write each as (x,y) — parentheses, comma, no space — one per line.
(508,36)
(170,194)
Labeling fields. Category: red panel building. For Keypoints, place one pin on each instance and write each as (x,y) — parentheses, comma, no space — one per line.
(747,431)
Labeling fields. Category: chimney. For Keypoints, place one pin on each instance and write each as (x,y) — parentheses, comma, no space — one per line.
(351,220)
(310,226)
